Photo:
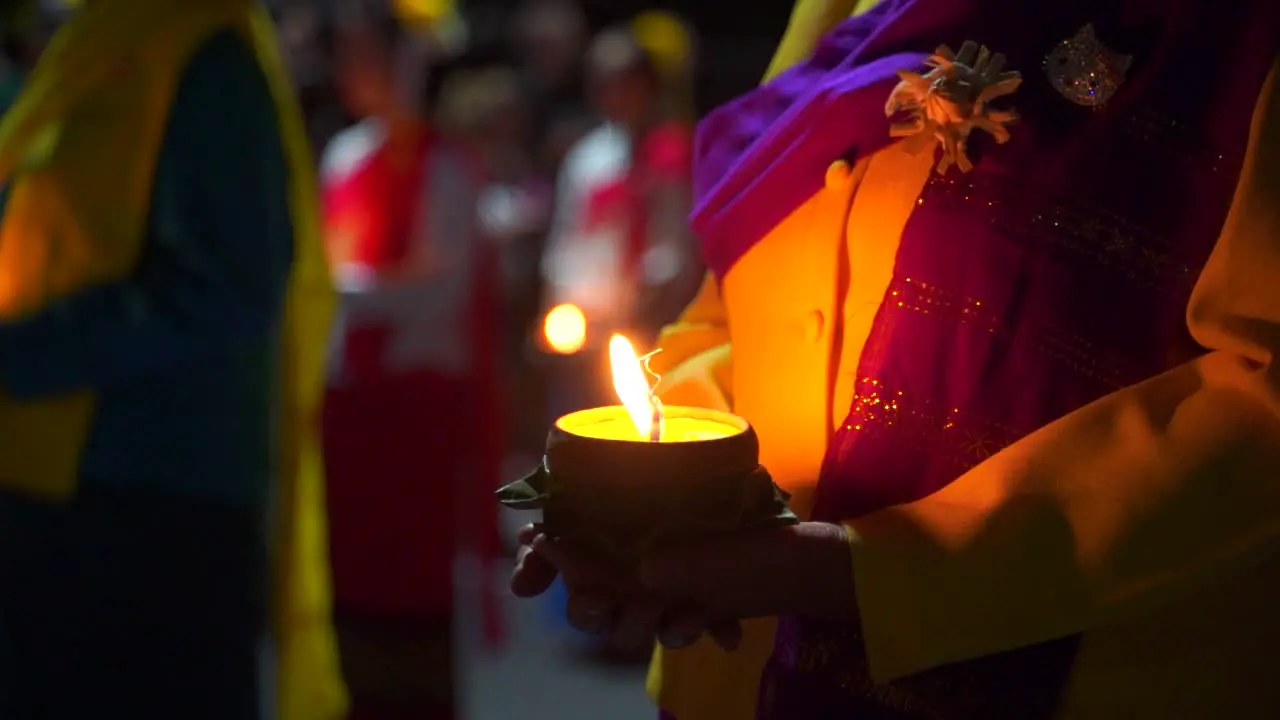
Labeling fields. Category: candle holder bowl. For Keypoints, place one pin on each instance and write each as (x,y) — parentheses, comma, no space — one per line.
(618,499)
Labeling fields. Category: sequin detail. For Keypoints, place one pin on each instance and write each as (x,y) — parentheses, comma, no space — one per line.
(1140,254)
(1085,71)
(947,433)
(1076,353)
(1168,137)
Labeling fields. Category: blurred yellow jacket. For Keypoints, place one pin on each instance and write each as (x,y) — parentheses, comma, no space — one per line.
(44,438)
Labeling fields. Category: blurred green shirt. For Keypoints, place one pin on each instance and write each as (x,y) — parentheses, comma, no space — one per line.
(10,82)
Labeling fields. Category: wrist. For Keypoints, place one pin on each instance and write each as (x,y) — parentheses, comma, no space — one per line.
(830,593)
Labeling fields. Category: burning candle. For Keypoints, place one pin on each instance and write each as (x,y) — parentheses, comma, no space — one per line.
(645,418)
(617,479)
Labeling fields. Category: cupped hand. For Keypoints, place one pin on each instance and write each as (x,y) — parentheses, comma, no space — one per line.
(533,574)
(601,601)
(684,591)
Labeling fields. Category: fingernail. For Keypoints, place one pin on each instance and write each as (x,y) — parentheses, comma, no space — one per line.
(544,546)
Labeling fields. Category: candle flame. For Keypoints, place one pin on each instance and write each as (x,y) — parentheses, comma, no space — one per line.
(565,329)
(633,390)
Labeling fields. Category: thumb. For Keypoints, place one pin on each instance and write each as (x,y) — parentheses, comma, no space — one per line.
(577,567)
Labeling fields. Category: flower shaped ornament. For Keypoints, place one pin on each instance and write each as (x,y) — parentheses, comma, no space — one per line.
(952,99)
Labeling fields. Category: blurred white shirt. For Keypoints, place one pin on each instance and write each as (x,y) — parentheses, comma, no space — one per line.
(584,266)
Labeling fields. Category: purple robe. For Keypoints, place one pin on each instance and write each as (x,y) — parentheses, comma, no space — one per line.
(1054,273)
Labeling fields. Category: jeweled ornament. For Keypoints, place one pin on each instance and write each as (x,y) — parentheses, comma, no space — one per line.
(1085,71)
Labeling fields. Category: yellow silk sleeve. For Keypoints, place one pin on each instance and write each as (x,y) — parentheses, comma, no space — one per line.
(810,20)
(1124,505)
(695,360)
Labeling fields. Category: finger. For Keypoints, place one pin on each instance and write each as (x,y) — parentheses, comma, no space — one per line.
(968,52)
(532,575)
(577,568)
(591,612)
(638,623)
(681,629)
(528,533)
(728,634)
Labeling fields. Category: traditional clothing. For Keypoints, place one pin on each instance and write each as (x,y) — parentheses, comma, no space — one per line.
(1061,502)
(581,264)
(165,304)
(619,247)
(411,424)
(644,210)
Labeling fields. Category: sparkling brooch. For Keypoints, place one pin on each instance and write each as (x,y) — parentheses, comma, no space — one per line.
(949,101)
(1085,71)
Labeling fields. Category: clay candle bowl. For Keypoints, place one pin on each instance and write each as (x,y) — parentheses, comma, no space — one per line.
(616,488)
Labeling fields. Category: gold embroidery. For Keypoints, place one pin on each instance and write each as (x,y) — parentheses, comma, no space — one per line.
(928,299)
(923,425)
(1079,354)
(1165,134)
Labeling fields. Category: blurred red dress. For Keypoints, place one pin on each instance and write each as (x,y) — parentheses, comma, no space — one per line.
(649,203)
(411,421)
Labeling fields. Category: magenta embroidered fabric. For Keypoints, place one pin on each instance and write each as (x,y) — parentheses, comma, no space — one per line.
(1055,273)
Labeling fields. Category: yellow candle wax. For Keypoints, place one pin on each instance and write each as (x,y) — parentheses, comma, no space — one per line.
(676,429)
(695,429)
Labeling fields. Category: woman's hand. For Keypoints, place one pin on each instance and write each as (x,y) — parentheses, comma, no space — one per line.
(685,591)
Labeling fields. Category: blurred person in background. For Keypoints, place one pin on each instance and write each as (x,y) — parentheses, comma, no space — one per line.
(162,322)
(620,249)
(620,256)
(412,435)
(487,110)
(307,48)
(550,43)
(641,81)
(581,270)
